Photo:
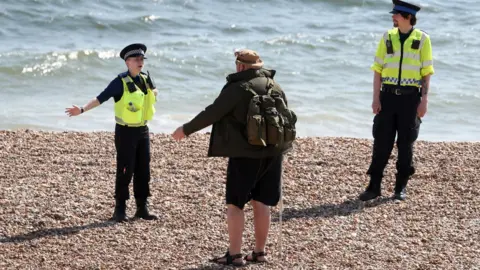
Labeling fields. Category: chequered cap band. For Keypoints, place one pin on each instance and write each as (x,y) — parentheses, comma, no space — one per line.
(138,51)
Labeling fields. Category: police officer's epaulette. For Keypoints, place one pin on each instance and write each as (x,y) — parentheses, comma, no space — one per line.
(424,32)
(123,74)
(130,84)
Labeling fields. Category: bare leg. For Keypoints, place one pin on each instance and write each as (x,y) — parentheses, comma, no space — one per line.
(261,221)
(236,224)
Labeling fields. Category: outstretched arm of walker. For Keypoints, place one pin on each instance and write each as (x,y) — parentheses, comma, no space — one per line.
(75,110)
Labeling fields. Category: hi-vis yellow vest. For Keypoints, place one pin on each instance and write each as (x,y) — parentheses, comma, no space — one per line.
(135,108)
(404,66)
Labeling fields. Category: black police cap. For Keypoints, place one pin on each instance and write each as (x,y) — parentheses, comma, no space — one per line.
(135,49)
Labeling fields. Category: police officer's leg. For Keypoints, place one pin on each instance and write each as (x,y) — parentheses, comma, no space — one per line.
(126,147)
(383,131)
(408,129)
(141,178)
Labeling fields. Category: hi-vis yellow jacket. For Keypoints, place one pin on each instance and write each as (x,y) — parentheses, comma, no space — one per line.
(135,108)
(404,65)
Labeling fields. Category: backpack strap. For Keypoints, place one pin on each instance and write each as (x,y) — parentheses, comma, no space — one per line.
(247,87)
(270,86)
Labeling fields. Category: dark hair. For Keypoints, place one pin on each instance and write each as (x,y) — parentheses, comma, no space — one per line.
(413,19)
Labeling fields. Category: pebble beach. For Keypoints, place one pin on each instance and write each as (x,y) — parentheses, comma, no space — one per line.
(56,198)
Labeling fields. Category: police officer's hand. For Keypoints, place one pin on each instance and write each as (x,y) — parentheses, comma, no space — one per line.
(178,134)
(376,106)
(73,111)
(422,108)
(155,92)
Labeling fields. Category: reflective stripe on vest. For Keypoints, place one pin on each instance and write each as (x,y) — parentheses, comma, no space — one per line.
(410,59)
(143,104)
(427,63)
(397,65)
(127,79)
(413,56)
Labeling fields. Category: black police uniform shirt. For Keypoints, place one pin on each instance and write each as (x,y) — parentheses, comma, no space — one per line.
(403,36)
(115,88)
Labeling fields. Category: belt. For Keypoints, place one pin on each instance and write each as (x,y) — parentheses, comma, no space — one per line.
(400,90)
(132,126)
(122,123)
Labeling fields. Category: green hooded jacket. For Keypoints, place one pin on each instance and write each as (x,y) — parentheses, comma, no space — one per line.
(228,115)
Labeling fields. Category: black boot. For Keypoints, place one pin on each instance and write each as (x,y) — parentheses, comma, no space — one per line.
(142,210)
(401,195)
(373,190)
(119,215)
(400,188)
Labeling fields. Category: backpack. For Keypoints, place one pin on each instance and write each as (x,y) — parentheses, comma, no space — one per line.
(269,121)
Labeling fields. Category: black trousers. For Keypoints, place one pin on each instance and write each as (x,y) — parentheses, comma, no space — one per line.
(133,159)
(398,116)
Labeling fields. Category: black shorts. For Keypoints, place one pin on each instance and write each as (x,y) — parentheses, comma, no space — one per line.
(254,179)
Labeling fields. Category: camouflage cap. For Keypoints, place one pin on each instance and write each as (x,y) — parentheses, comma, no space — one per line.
(249,58)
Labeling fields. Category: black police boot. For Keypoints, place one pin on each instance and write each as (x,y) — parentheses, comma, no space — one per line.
(401,195)
(400,188)
(142,210)
(368,195)
(119,215)
(372,191)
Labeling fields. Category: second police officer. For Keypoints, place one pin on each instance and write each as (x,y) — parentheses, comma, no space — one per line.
(402,69)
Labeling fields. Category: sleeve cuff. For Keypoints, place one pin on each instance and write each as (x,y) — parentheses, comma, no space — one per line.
(376,68)
(100,100)
(427,71)
(187,129)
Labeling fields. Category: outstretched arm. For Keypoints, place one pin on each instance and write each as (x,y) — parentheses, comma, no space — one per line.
(75,110)
(114,89)
(223,104)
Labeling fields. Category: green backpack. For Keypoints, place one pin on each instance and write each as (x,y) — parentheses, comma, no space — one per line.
(269,121)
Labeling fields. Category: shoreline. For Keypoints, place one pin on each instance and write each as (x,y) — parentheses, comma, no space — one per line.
(207,132)
(57,196)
